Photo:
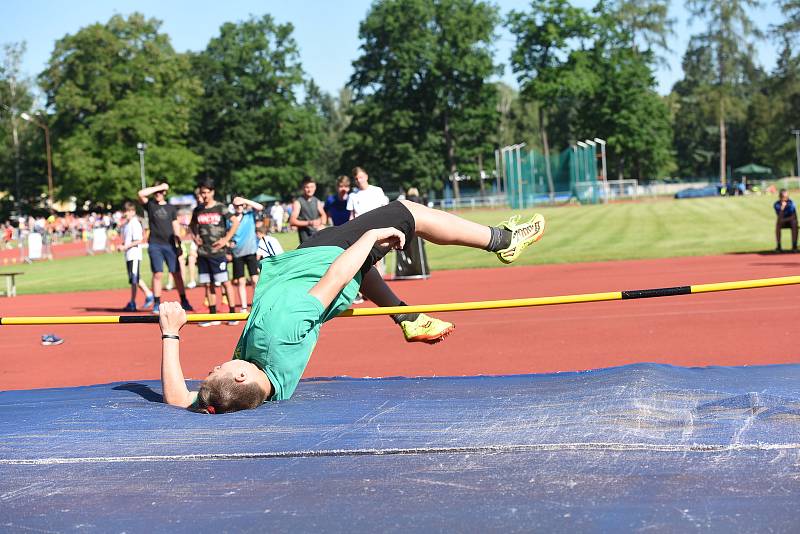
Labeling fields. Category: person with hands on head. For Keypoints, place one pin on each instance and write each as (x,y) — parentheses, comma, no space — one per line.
(308,212)
(300,290)
(163,240)
(212,232)
(245,246)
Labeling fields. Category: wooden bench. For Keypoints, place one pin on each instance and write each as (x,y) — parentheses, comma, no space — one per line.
(11,283)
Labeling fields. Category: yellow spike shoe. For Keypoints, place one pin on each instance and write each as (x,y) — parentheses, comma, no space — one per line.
(426,329)
(523,235)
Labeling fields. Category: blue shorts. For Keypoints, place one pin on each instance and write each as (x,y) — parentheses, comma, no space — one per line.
(160,253)
(212,268)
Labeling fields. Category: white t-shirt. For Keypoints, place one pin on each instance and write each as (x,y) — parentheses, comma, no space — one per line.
(268,246)
(132,232)
(361,201)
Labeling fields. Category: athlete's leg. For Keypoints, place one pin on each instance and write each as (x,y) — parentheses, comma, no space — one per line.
(445,228)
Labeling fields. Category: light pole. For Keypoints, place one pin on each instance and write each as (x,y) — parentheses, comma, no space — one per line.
(602,156)
(42,125)
(141,147)
(797,148)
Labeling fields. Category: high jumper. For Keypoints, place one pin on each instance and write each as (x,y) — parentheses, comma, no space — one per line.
(302,289)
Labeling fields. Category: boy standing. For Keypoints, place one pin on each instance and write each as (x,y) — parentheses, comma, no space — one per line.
(132,239)
(308,212)
(336,205)
(302,289)
(163,241)
(210,229)
(245,246)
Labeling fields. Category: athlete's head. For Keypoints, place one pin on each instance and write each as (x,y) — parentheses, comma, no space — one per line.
(361,177)
(206,190)
(230,387)
(343,185)
(309,186)
(784,195)
(130,210)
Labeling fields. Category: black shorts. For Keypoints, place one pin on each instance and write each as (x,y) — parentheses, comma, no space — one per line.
(791,222)
(238,266)
(134,270)
(393,214)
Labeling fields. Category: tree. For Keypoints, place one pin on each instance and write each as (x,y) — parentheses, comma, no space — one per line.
(22,160)
(646,22)
(423,102)
(253,134)
(544,37)
(621,104)
(729,31)
(110,86)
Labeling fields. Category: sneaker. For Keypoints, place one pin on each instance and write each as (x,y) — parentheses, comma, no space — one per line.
(778,249)
(191,285)
(186,306)
(426,329)
(169,287)
(232,323)
(206,324)
(51,339)
(155,309)
(130,307)
(359,299)
(148,302)
(522,236)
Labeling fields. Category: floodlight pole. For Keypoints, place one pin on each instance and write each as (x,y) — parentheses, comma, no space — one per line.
(43,126)
(797,148)
(519,173)
(602,155)
(141,147)
(585,166)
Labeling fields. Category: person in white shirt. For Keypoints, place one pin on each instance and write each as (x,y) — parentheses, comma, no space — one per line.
(366,197)
(268,246)
(132,239)
(276,217)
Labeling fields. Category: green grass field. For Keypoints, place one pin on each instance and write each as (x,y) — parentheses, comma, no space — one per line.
(647,229)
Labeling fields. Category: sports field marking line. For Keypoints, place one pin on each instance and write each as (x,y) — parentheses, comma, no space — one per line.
(542,447)
(433,308)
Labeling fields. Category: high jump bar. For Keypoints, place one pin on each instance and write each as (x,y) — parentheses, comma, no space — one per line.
(431,308)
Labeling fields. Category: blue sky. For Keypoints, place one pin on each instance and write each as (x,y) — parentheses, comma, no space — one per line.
(326,31)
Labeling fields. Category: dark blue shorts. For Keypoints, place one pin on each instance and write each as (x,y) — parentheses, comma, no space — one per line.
(214,268)
(160,253)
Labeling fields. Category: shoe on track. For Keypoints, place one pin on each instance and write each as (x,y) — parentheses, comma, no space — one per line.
(155,309)
(426,329)
(206,324)
(148,302)
(51,339)
(129,307)
(522,236)
(186,306)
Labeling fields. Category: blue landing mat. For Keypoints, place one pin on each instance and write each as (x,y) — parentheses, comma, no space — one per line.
(632,448)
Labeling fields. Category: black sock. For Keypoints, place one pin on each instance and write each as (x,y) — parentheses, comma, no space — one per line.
(400,317)
(212,309)
(501,239)
(183,297)
(157,300)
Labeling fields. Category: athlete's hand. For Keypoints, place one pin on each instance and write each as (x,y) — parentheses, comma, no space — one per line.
(171,317)
(389,237)
(165,187)
(219,244)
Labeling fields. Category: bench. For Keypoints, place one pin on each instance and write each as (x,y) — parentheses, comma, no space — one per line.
(11,283)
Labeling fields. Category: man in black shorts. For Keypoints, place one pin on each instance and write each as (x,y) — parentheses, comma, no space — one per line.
(211,233)
(163,241)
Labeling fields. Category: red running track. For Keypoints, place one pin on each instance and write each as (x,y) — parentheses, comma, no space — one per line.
(748,327)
